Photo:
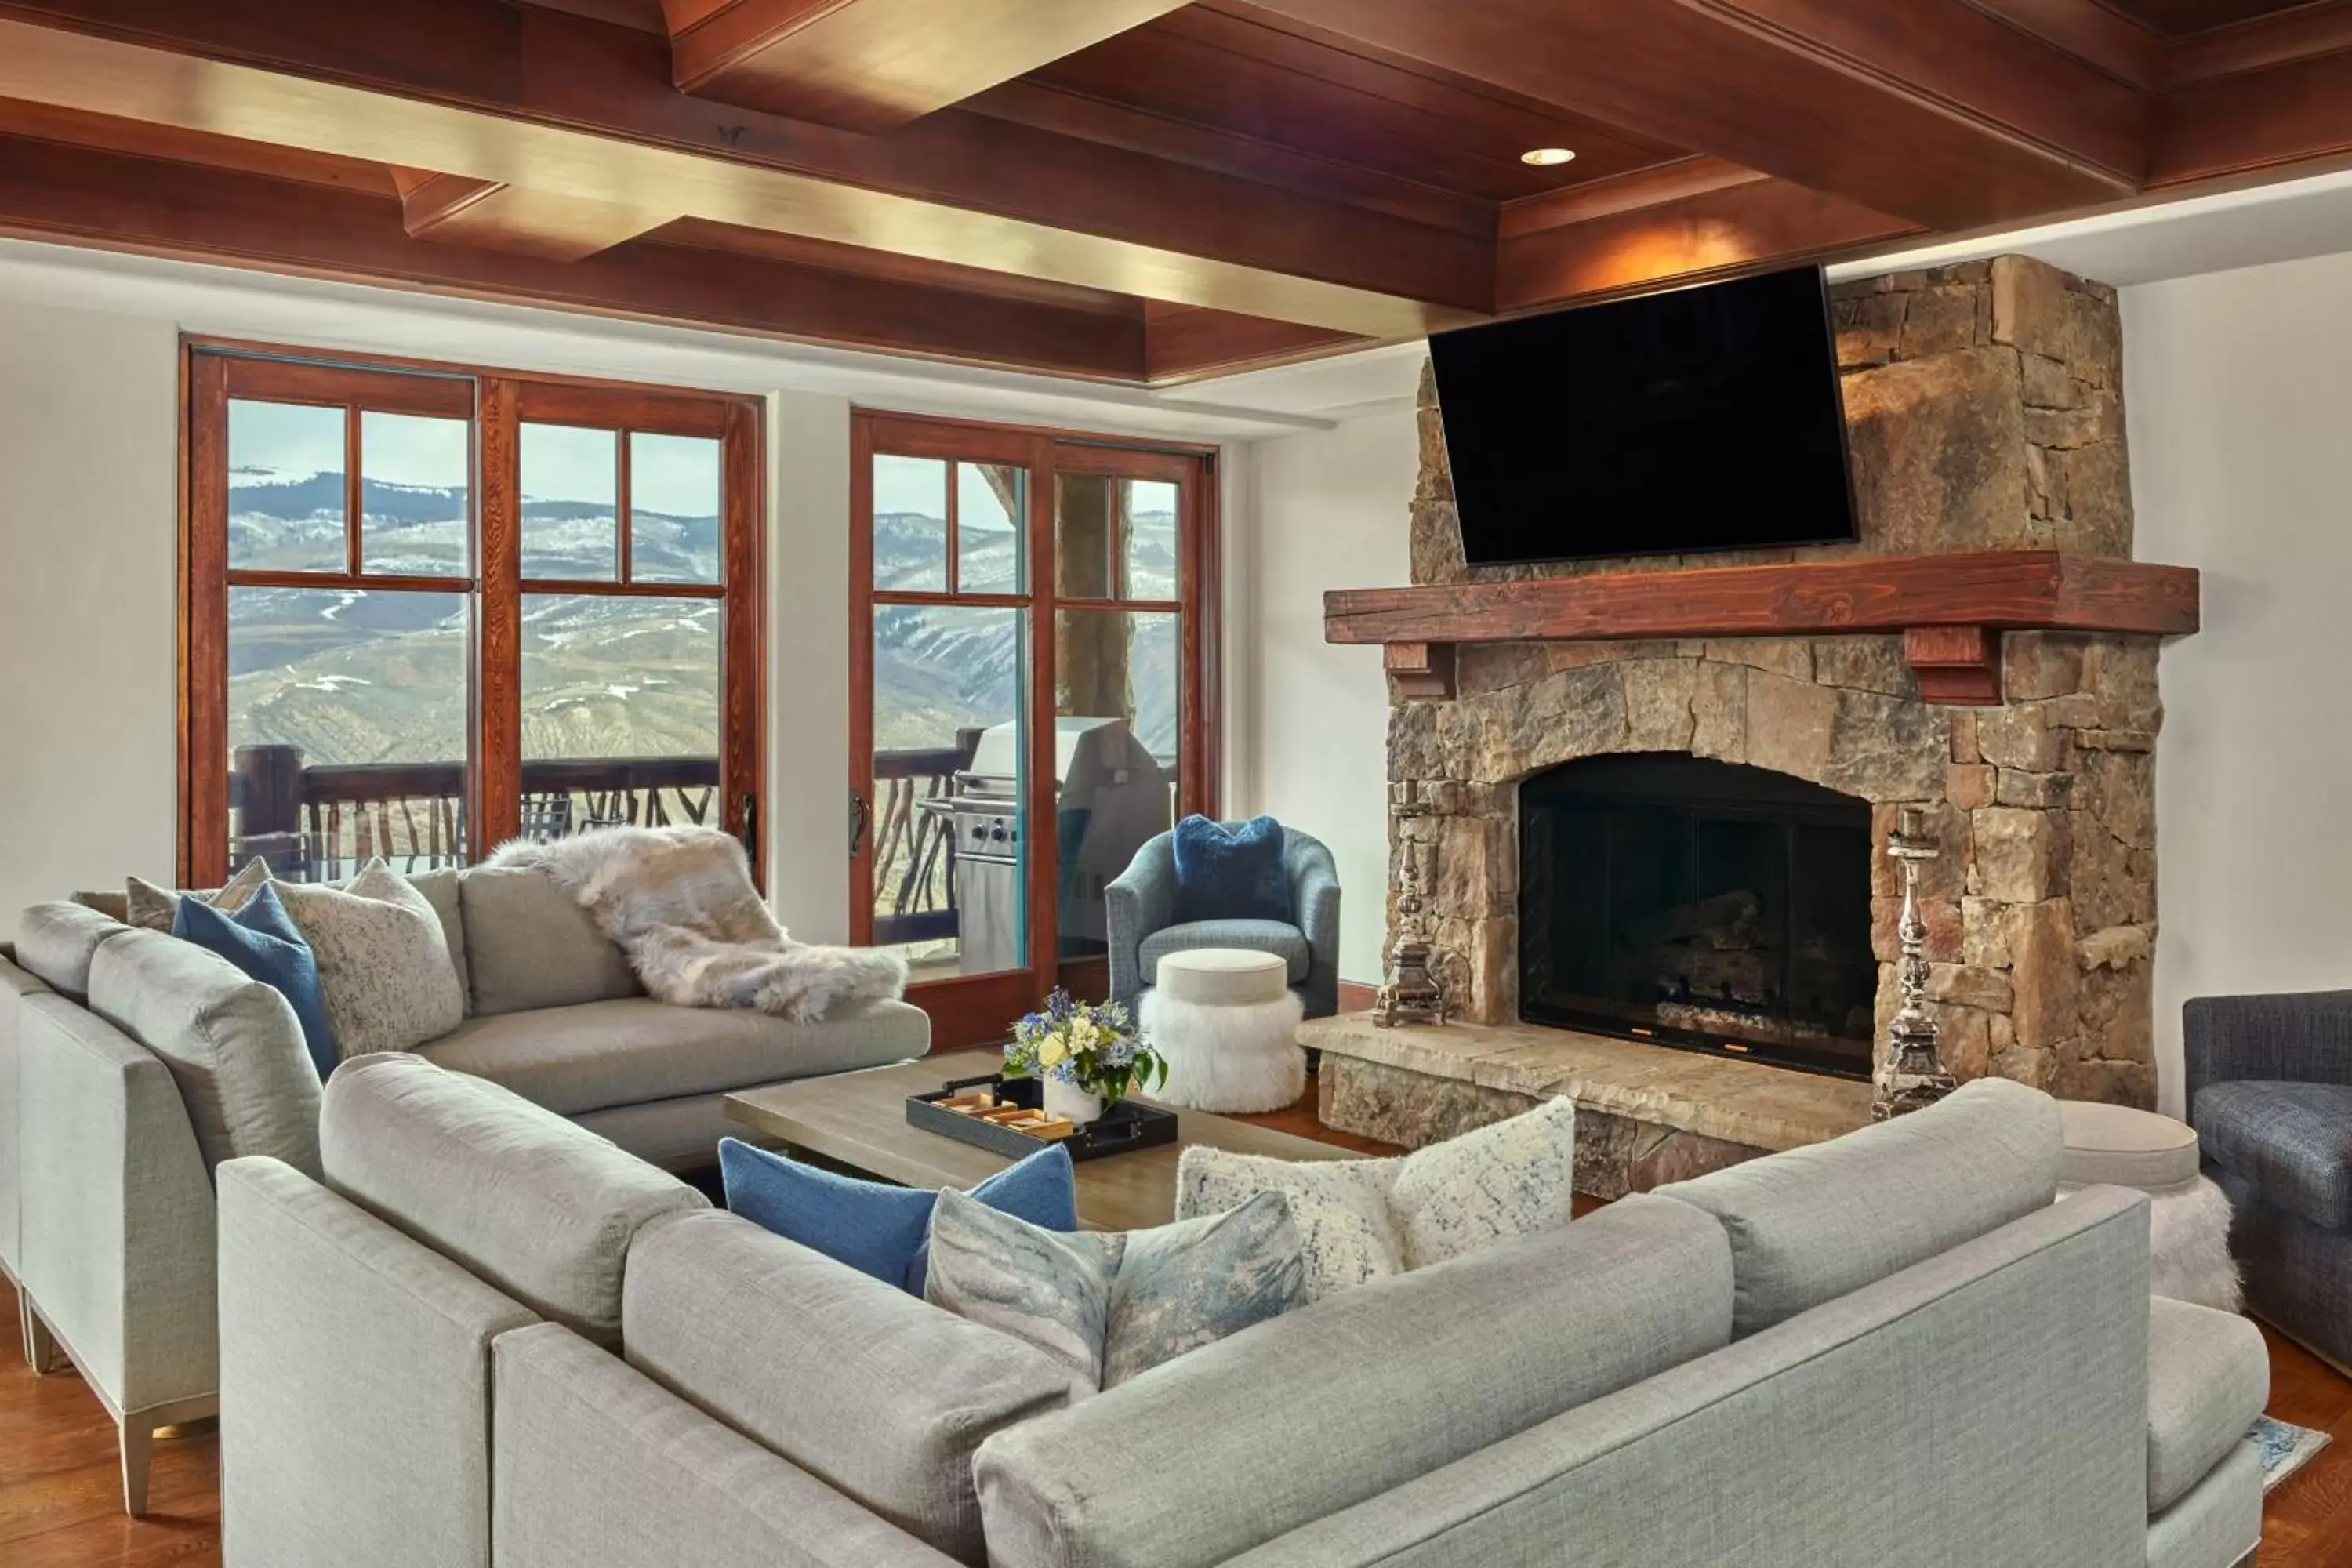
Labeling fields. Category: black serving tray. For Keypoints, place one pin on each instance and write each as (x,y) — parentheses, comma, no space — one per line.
(1125,1126)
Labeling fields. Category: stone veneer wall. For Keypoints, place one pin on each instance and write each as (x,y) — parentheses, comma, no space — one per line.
(1984,405)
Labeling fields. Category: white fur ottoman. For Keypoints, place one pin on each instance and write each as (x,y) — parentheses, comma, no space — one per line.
(1227,1023)
(2189,1217)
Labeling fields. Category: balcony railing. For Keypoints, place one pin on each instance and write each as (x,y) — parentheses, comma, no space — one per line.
(320,822)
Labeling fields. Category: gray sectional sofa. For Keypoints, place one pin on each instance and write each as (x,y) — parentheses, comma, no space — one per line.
(132,1065)
(1891,1349)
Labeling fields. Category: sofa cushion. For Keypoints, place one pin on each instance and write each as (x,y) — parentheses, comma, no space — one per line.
(529,945)
(881,1395)
(2292,1141)
(600,1054)
(55,944)
(1322,1408)
(2209,1376)
(1231,873)
(263,942)
(1287,943)
(1811,1225)
(535,1206)
(232,1044)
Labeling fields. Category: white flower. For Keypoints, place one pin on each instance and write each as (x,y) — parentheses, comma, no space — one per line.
(1051,1050)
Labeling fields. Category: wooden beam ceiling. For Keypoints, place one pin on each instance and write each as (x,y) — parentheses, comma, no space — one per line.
(874,65)
(1137,190)
(1929,110)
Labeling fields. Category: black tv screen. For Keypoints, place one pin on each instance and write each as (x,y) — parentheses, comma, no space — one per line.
(1706,418)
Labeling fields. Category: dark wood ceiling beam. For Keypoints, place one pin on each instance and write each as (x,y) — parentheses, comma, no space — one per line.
(1182,342)
(1929,110)
(1685,223)
(2256,121)
(114,201)
(453,208)
(2283,38)
(2092,32)
(570,106)
(875,65)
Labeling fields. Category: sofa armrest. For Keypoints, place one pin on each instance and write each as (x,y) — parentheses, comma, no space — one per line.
(2293,1037)
(594,1462)
(355,1383)
(118,1245)
(1141,900)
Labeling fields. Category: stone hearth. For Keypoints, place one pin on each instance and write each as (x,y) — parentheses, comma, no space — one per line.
(1984,406)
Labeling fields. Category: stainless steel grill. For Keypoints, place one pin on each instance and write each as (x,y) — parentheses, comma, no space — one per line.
(1110,796)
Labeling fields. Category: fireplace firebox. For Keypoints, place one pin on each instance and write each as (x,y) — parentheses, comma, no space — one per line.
(1706,905)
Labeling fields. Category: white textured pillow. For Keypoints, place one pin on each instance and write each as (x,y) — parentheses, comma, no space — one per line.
(1361,1219)
(384,963)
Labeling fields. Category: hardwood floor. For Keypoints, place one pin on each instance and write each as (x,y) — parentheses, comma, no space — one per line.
(61,1495)
(61,1483)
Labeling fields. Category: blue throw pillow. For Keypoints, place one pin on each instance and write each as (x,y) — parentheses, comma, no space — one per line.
(875,1227)
(1231,873)
(261,940)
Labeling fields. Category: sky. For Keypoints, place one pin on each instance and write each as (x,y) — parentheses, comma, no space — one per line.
(673,474)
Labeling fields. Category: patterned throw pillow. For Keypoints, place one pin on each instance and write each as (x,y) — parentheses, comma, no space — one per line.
(384,963)
(145,904)
(1109,1305)
(880,1227)
(1360,1220)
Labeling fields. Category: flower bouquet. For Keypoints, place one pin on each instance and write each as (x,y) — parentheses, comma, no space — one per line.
(1085,1056)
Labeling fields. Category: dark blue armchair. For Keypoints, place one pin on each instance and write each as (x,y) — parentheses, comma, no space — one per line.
(2270,1092)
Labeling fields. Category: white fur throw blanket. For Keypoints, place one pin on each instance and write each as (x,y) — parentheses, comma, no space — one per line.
(679,901)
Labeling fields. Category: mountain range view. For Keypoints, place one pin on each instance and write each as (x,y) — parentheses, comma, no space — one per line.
(380,676)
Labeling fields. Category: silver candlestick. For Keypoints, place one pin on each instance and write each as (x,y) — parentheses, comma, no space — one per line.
(1413,994)
(1914,1075)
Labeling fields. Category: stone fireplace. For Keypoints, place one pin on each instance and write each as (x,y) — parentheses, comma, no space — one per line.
(1984,406)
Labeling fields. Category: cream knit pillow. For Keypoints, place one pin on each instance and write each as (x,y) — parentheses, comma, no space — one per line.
(1359,1219)
(384,963)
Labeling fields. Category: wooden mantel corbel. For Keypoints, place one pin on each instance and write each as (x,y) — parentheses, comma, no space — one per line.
(1950,611)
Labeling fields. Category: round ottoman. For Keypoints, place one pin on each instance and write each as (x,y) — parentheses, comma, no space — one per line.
(1227,1023)
(2189,1216)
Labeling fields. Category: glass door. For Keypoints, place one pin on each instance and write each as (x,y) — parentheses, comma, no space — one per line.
(1027,700)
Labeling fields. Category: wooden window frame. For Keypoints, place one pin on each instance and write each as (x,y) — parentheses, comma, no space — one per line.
(967,1009)
(495,402)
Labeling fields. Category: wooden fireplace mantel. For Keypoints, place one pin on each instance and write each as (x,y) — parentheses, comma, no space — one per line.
(1950,610)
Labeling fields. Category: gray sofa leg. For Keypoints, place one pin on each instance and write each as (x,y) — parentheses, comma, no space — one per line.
(40,1346)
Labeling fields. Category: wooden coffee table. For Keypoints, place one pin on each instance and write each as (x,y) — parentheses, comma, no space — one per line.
(859,1120)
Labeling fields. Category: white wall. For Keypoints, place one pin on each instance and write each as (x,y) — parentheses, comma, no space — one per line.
(1309,722)
(2238,390)
(88,710)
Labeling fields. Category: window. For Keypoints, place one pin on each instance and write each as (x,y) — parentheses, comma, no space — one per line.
(1029,694)
(427,609)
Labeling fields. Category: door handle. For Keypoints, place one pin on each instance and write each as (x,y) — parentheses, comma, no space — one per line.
(858,817)
(751,834)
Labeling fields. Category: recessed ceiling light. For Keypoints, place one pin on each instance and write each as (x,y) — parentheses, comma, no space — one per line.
(1545,157)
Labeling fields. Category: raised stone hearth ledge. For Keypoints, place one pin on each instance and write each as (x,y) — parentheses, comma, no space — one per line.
(1645,1115)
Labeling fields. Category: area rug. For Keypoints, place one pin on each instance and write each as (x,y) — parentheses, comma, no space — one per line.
(2284,1449)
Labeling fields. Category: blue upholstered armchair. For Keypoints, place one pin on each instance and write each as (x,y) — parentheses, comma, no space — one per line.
(2270,1092)
(1140,913)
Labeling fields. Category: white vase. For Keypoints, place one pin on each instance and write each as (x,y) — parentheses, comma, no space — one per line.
(1073,1104)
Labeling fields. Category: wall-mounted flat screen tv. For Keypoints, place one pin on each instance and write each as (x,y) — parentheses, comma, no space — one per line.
(1701,419)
